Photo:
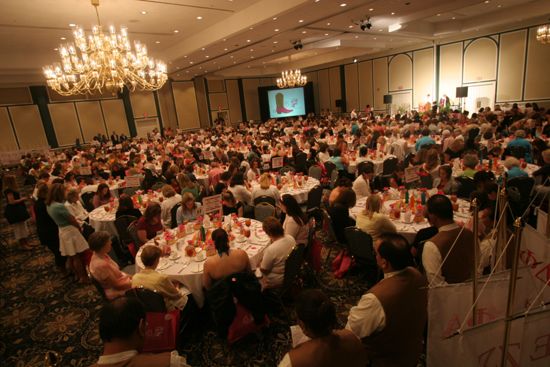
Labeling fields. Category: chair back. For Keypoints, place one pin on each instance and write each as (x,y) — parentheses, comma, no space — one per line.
(360,246)
(286,169)
(333,177)
(173,215)
(466,187)
(330,167)
(519,192)
(151,300)
(96,284)
(300,162)
(314,197)
(516,151)
(389,166)
(132,230)
(87,201)
(293,264)
(264,210)
(130,190)
(122,223)
(315,172)
(265,199)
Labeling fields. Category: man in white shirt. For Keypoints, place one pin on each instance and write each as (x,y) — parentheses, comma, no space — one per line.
(361,185)
(381,319)
(272,266)
(452,240)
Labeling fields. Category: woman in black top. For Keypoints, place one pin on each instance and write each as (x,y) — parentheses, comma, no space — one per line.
(339,213)
(46,229)
(15,211)
(126,207)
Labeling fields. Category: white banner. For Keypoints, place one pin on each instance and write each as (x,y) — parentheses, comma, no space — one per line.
(535,254)
(535,343)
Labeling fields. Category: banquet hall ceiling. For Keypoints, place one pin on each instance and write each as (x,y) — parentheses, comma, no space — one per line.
(234,38)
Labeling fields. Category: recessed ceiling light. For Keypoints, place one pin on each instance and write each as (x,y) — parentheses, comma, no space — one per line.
(304,32)
(200,67)
(187,71)
(317,1)
(276,29)
(251,28)
(248,41)
(350,26)
(499,6)
(275,41)
(225,49)
(301,21)
(453,18)
(191,62)
(274,18)
(374,38)
(185,57)
(225,39)
(251,50)
(176,31)
(371,9)
(231,56)
(207,56)
(177,67)
(326,34)
(72,25)
(438,15)
(157,42)
(234,62)
(487,1)
(56,49)
(328,23)
(356,36)
(202,49)
(143,12)
(251,57)
(343,4)
(199,17)
(380,30)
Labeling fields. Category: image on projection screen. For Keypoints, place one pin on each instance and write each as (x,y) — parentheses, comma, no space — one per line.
(286,102)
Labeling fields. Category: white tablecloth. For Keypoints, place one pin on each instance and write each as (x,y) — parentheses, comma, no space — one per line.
(378,163)
(299,193)
(409,230)
(189,272)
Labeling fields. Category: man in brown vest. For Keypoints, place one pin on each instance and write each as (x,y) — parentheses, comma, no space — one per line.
(452,242)
(392,316)
(122,327)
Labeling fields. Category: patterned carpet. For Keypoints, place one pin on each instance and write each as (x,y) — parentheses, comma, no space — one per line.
(41,310)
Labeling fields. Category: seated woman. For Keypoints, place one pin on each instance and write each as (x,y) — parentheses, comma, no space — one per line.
(372,221)
(102,195)
(253,172)
(341,184)
(272,266)
(230,205)
(397,178)
(126,207)
(187,185)
(148,225)
(114,282)
(175,296)
(169,201)
(339,213)
(266,188)
(340,161)
(296,223)
(226,262)
(514,170)
(445,182)
(188,211)
(75,207)
(239,190)
(324,346)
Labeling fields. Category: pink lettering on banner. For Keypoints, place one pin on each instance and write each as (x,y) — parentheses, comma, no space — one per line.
(491,357)
(528,258)
(544,274)
(542,348)
(483,315)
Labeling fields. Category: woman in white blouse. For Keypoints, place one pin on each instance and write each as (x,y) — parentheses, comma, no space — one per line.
(239,190)
(296,223)
(75,207)
(266,188)
(169,199)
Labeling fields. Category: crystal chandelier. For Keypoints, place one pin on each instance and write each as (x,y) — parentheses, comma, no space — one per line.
(543,34)
(102,62)
(291,78)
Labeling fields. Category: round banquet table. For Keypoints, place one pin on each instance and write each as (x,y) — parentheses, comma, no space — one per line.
(529,168)
(378,162)
(189,271)
(409,230)
(103,217)
(299,193)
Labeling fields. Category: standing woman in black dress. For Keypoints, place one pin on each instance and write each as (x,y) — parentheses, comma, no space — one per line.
(47,230)
(16,212)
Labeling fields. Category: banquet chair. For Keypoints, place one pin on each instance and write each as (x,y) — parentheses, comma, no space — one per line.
(96,284)
(151,300)
(314,197)
(515,151)
(334,175)
(265,199)
(293,264)
(333,244)
(360,247)
(330,167)
(519,194)
(465,188)
(133,233)
(300,162)
(87,199)
(316,172)
(264,210)
(122,224)
(389,165)
(173,215)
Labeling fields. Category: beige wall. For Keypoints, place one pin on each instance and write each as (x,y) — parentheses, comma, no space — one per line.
(366,95)
(423,75)
(450,69)
(91,119)
(380,80)
(400,73)
(352,87)
(28,127)
(251,102)
(234,100)
(167,106)
(65,123)
(511,65)
(143,104)
(186,105)
(115,116)
(537,76)
(7,138)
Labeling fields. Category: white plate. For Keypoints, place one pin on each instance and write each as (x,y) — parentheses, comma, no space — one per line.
(172,257)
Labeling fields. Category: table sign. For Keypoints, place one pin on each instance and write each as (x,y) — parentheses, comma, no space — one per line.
(411,175)
(212,204)
(277,162)
(133,181)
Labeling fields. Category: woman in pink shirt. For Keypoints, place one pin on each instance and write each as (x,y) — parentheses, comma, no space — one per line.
(114,282)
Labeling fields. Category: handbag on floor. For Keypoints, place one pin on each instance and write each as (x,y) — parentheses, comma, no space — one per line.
(161,331)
